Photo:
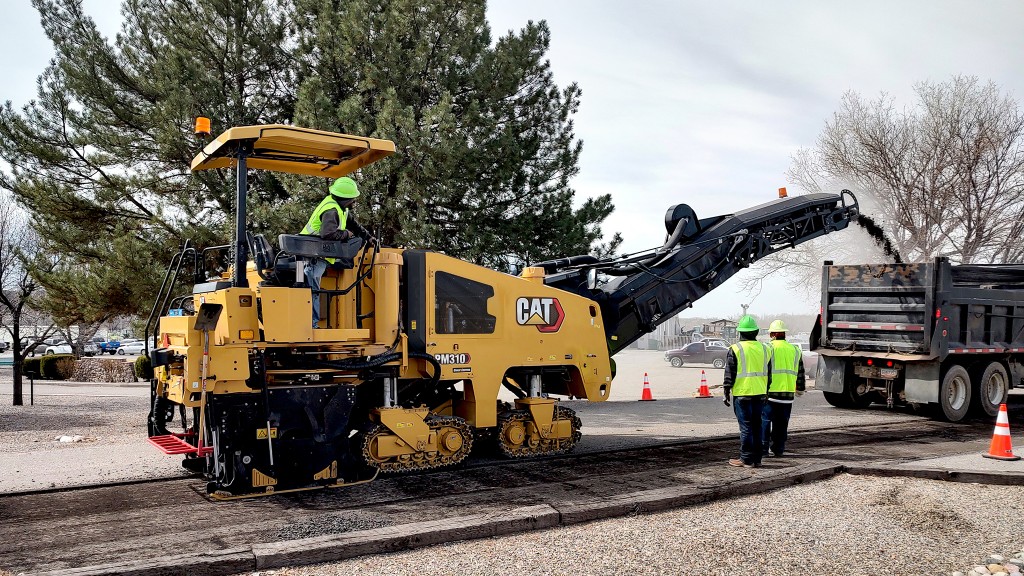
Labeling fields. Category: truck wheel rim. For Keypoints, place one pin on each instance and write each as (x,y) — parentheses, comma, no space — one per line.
(957,393)
(994,388)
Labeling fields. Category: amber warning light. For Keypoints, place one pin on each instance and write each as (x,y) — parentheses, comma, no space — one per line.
(202,126)
(782,192)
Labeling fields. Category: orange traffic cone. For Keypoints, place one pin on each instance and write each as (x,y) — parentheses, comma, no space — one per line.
(1000,449)
(647,390)
(703,391)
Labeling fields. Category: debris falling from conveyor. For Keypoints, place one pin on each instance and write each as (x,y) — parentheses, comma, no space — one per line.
(878,235)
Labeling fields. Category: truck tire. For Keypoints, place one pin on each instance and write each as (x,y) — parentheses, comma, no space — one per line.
(676,362)
(955,393)
(718,363)
(855,399)
(990,389)
(837,399)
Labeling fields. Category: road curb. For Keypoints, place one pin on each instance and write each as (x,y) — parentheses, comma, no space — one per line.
(214,563)
(993,477)
(661,499)
(404,537)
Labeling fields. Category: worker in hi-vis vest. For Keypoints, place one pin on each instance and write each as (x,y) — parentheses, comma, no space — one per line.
(787,382)
(747,378)
(332,220)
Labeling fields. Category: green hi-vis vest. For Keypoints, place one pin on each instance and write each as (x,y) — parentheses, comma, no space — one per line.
(313,225)
(752,358)
(785,364)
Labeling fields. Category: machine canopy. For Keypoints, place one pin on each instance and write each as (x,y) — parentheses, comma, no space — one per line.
(294,150)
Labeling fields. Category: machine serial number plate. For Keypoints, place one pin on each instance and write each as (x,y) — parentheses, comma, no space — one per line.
(888,372)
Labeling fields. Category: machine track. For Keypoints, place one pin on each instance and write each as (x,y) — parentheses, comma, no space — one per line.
(514,437)
(454,438)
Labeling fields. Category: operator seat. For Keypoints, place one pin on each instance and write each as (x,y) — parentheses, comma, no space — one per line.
(282,269)
(309,247)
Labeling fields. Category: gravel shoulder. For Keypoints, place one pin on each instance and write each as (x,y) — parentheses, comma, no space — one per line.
(845,525)
(112,447)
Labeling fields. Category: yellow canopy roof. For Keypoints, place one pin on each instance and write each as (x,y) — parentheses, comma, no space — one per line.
(294,150)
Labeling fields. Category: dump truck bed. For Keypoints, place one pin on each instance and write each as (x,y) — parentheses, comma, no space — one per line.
(928,309)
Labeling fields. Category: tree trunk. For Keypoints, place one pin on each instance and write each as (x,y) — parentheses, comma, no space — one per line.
(19,357)
(18,400)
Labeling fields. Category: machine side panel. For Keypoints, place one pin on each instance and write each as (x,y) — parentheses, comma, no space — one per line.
(414,294)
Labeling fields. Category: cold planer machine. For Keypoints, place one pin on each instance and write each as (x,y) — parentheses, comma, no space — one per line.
(406,371)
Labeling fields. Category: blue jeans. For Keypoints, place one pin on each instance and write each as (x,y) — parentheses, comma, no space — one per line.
(748,414)
(314,271)
(775,426)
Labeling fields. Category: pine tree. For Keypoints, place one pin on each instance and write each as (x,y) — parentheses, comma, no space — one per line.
(485,138)
(101,157)
(486,146)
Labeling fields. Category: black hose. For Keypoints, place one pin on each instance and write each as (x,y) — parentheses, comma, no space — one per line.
(382,359)
(552,265)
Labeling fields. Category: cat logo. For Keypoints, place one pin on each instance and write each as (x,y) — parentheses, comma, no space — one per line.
(544,313)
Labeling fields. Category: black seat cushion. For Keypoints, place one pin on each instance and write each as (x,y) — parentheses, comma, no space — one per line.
(304,246)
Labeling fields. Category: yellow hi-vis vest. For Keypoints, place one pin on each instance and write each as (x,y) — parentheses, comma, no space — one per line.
(752,358)
(785,364)
(313,225)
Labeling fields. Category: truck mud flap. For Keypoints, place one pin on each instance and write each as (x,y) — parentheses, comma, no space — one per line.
(831,372)
(922,382)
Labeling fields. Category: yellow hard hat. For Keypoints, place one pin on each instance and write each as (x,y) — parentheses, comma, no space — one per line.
(777,326)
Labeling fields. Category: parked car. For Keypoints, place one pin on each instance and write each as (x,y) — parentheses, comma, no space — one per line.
(134,347)
(28,346)
(698,353)
(57,347)
(105,346)
(4,346)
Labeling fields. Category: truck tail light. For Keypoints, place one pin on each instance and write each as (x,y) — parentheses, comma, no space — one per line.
(871,362)
(889,363)
(938,313)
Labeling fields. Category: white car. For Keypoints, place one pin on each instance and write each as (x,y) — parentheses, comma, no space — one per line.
(132,348)
(57,348)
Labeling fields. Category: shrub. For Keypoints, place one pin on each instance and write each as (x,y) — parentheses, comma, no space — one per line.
(57,366)
(143,368)
(30,365)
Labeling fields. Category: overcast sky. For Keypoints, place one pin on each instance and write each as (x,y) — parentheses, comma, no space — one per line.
(700,102)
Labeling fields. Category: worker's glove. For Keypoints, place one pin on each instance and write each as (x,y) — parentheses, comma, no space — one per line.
(726,400)
(799,393)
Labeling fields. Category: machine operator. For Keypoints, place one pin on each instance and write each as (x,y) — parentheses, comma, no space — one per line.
(332,220)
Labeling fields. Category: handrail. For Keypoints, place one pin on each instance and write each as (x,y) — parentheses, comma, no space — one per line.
(165,292)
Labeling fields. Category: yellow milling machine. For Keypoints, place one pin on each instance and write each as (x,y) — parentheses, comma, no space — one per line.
(414,346)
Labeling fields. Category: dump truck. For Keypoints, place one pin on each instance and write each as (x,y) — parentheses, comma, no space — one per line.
(405,369)
(945,337)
